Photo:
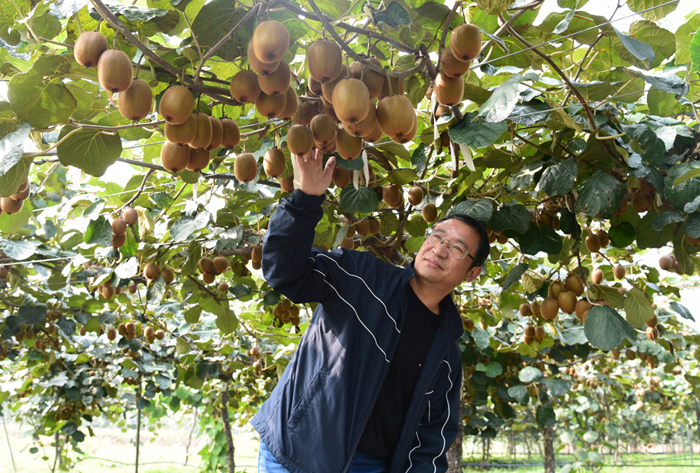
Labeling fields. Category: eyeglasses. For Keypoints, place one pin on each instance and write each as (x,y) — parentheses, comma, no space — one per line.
(454,249)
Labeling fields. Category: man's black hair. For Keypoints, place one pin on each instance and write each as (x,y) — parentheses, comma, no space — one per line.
(482,248)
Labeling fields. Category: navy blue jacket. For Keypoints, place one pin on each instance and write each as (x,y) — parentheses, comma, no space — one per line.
(315,416)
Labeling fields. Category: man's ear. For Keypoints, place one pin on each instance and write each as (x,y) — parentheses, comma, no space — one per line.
(472,274)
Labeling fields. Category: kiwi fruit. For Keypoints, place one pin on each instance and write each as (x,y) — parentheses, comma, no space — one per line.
(305,113)
(132,287)
(204,131)
(429,212)
(111,334)
(593,243)
(199,159)
(167,275)
(114,70)
(351,100)
(341,177)
(108,292)
(328,110)
(403,138)
(89,47)
(465,42)
(328,148)
(135,102)
(21,195)
(315,87)
(274,162)
(415,195)
(269,106)
(549,308)
(292,105)
(525,310)
(666,263)
(597,276)
(208,278)
(393,86)
(642,202)
(4,272)
(183,133)
(603,237)
(328,88)
(118,240)
(220,264)
(692,241)
(619,271)
(646,187)
(245,167)
(257,65)
(365,126)
(270,41)
(535,307)
(375,135)
(176,104)
(160,334)
(555,288)
(396,116)
(374,81)
(530,331)
(206,265)
(245,87)
(392,195)
(300,139)
(119,226)
(567,301)
(449,91)
(11,206)
(468,324)
(256,254)
(348,146)
(574,284)
(374,226)
(362,227)
(325,60)
(24,186)
(652,322)
(451,66)
(278,82)
(348,243)
(287,184)
(174,157)
(652,333)
(151,272)
(323,129)
(217,133)
(223,287)
(231,134)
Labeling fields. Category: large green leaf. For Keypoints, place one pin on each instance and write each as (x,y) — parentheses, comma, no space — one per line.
(502,101)
(90,150)
(529,374)
(514,275)
(601,195)
(537,239)
(479,209)
(99,232)
(187,225)
(682,251)
(647,237)
(637,308)
(493,7)
(476,132)
(686,192)
(401,176)
(694,50)
(363,199)
(661,41)
(638,49)
(19,249)
(605,328)
(511,217)
(15,177)
(692,225)
(684,35)
(226,321)
(559,179)
(656,9)
(12,147)
(13,223)
(214,21)
(529,113)
(545,415)
(622,235)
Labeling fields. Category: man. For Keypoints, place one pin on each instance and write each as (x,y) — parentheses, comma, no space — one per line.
(374,384)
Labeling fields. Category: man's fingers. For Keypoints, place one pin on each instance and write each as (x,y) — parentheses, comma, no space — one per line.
(330,166)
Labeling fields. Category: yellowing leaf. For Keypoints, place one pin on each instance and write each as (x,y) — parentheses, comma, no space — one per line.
(637,308)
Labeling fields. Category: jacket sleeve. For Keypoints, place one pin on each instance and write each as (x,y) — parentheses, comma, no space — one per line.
(289,263)
(439,425)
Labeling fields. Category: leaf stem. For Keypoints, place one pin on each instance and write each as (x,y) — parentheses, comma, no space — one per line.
(140,191)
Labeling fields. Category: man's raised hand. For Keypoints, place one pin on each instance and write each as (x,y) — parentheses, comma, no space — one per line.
(313,178)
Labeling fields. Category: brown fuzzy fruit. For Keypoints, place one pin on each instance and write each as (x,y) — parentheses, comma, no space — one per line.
(287,184)
(323,129)
(245,168)
(582,308)
(245,87)
(168,275)
(372,79)
(555,288)
(597,276)
(256,254)
(160,334)
(174,157)
(415,195)
(364,127)
(574,284)
(448,90)
(396,116)
(176,104)
(347,243)
(108,292)
(231,133)
(217,133)
(199,159)
(362,227)
(292,105)
(274,162)
(692,241)
(530,331)
(136,101)
(393,86)
(114,71)
(535,307)
(220,264)
(325,60)
(341,177)
(10,205)
(642,202)
(132,287)
(300,140)
(118,240)
(666,263)
(550,308)
(257,65)
(315,87)
(465,42)
(269,106)
(567,301)
(278,82)
(468,324)
(392,195)
(539,334)
(603,237)
(206,265)
(652,333)
(646,187)
(525,309)
(89,47)
(204,131)
(24,195)
(593,243)
(619,271)
(351,100)
(451,66)
(349,146)
(374,226)
(151,271)
(24,186)
(223,287)
(305,113)
(119,226)
(429,212)
(327,88)
(270,41)
(111,334)
(652,322)
(375,135)
(183,133)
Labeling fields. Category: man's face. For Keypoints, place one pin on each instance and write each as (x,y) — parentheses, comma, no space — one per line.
(435,265)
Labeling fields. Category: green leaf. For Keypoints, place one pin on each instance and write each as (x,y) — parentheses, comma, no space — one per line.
(609,294)
(502,101)
(545,416)
(401,176)
(187,225)
(669,83)
(605,328)
(559,179)
(394,15)
(14,177)
(419,158)
(481,210)
(682,311)
(493,7)
(694,49)
(363,199)
(591,436)
(192,314)
(333,8)
(31,315)
(514,275)
(601,196)
(692,226)
(638,49)
(622,235)
(41,101)
(99,232)
(687,176)
(655,10)
(637,308)
(12,147)
(684,35)
(13,223)
(226,321)
(529,374)
(89,150)
(510,217)
(537,239)
(156,291)
(647,237)
(661,41)
(476,133)
(682,251)
(563,25)
(530,113)
(520,394)
(214,21)
(667,218)
(19,249)
(127,269)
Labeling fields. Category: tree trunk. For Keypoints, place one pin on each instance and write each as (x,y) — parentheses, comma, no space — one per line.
(549,466)
(454,454)
(230,450)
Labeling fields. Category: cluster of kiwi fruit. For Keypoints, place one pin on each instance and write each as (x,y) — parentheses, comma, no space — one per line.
(255,353)
(561,296)
(14,203)
(131,330)
(151,271)
(455,61)
(286,313)
(44,337)
(210,268)
(130,217)
(362,227)
(652,328)
(532,334)
(598,276)
(108,291)
(495,236)
(669,263)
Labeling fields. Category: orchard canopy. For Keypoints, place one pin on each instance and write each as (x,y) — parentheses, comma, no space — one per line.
(136,192)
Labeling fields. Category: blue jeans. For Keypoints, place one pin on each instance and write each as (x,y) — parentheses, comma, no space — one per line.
(360,463)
